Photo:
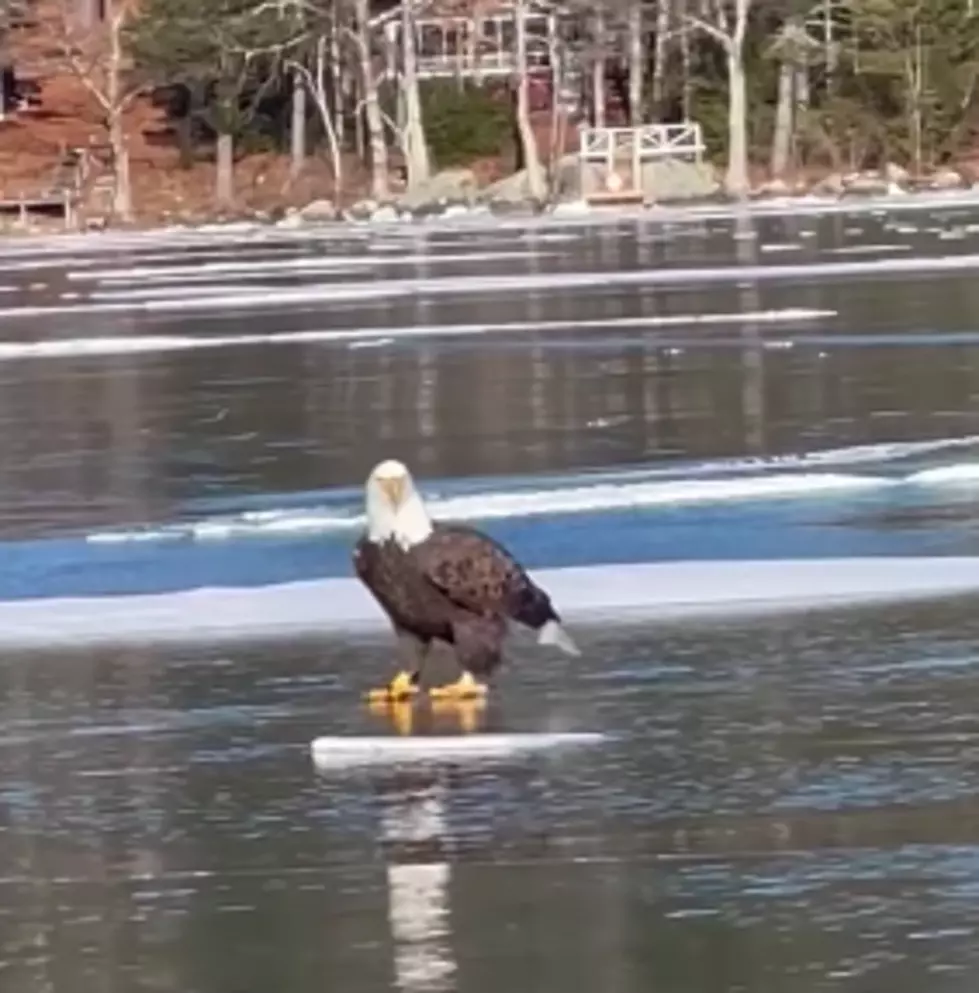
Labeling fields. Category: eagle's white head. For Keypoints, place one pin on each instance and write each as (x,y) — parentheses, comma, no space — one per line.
(394,507)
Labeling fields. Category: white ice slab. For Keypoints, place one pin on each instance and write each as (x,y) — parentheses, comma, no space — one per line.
(344,751)
(583,594)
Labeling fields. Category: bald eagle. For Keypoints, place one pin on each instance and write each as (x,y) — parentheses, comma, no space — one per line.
(443,582)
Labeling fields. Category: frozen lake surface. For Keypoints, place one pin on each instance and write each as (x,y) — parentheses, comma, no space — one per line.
(744,456)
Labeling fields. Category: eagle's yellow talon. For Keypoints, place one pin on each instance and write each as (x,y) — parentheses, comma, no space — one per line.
(402,687)
(464,688)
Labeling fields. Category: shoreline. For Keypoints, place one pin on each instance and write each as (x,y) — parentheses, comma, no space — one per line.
(483,218)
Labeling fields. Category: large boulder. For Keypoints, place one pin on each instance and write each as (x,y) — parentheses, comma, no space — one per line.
(893,173)
(675,180)
(319,210)
(867,184)
(571,208)
(832,185)
(947,179)
(446,187)
(508,190)
(512,191)
(669,180)
(385,214)
(773,189)
(362,210)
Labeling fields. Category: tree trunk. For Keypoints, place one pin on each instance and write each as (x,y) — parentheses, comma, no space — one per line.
(185,139)
(737,123)
(318,89)
(122,195)
(784,119)
(659,55)
(686,62)
(915,77)
(416,147)
(225,178)
(536,188)
(737,111)
(830,42)
(372,110)
(377,145)
(339,81)
(360,130)
(636,63)
(122,199)
(88,13)
(598,71)
(559,116)
(802,94)
(297,129)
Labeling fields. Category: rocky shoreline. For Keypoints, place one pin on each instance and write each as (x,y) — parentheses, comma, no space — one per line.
(454,193)
(667,187)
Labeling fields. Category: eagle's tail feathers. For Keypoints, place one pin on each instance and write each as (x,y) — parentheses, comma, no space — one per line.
(553,634)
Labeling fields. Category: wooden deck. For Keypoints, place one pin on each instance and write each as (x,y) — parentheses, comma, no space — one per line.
(47,204)
(62,193)
(619,198)
(612,160)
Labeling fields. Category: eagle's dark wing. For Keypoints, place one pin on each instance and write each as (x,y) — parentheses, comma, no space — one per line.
(480,575)
(361,558)
(411,603)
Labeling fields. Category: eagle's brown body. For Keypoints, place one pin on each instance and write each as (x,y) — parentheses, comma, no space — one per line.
(457,586)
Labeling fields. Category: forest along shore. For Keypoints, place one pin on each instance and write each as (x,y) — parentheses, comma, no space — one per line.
(167,111)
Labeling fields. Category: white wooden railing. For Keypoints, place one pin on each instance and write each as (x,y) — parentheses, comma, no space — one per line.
(647,143)
(469,47)
(611,160)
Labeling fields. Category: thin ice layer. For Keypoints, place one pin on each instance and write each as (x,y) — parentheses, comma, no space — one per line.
(584,595)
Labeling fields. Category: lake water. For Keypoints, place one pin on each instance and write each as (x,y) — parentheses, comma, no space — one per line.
(786,800)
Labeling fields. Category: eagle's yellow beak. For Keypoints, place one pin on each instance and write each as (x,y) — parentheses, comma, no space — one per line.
(393,488)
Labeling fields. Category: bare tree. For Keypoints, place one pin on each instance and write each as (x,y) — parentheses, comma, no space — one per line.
(599,42)
(726,21)
(372,105)
(794,48)
(96,56)
(312,79)
(339,73)
(784,117)
(559,109)
(297,126)
(637,61)
(341,29)
(415,144)
(536,186)
(686,61)
(663,12)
